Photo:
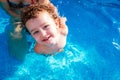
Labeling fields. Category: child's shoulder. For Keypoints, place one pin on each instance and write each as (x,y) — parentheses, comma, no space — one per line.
(37,48)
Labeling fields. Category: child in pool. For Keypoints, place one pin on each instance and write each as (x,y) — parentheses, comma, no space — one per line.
(46,27)
(16,35)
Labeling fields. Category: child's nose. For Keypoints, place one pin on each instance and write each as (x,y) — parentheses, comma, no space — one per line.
(43,33)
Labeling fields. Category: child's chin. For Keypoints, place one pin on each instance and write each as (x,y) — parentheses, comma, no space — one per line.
(51,43)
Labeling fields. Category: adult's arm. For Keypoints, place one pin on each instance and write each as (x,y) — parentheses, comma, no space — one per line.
(4,4)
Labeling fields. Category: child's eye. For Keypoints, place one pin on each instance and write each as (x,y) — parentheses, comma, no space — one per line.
(46,26)
(35,32)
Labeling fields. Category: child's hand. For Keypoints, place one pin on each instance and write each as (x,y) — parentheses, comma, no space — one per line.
(63,26)
(63,20)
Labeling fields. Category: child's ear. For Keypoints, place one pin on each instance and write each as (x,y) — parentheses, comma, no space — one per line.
(57,22)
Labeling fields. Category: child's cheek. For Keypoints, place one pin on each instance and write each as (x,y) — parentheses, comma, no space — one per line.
(36,38)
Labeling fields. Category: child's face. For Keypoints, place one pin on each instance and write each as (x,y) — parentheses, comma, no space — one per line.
(44,29)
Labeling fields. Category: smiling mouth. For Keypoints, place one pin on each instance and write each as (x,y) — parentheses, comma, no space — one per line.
(46,38)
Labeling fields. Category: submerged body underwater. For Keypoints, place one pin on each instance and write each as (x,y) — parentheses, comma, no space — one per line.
(92,51)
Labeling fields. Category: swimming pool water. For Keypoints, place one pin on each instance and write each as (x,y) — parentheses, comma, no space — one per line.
(92,51)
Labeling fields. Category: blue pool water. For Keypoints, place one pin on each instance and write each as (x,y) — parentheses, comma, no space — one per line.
(92,51)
